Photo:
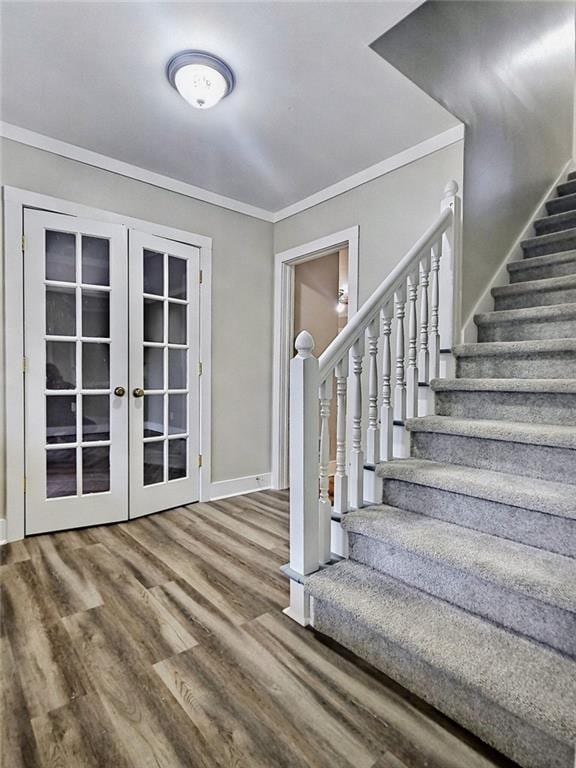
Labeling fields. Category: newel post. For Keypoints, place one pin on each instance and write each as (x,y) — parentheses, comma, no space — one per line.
(304,470)
(450,289)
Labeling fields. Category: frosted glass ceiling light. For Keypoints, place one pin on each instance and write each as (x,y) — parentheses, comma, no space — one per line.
(200,78)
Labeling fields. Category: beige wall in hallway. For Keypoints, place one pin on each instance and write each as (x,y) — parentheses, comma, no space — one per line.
(241,291)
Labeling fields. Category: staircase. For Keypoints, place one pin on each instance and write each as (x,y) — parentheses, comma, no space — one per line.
(461,585)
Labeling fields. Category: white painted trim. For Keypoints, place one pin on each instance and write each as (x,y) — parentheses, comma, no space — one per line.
(407,156)
(239,485)
(15,201)
(486,302)
(284,263)
(86,156)
(96,160)
(3,539)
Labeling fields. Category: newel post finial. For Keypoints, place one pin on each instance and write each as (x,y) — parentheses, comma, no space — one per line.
(451,189)
(304,344)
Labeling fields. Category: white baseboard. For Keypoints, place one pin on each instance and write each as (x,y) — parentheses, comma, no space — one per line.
(239,485)
(486,303)
(3,537)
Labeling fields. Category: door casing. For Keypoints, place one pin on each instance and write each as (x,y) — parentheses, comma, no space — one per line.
(15,202)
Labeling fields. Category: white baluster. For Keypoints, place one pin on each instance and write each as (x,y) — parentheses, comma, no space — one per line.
(400,381)
(434,335)
(324,505)
(304,463)
(356,453)
(386,410)
(449,277)
(424,355)
(341,476)
(373,431)
(412,372)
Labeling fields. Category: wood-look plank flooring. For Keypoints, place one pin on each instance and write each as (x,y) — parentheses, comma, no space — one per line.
(161,643)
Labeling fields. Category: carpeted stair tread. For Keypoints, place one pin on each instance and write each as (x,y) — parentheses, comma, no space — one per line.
(541,575)
(554,435)
(561,386)
(511,348)
(555,223)
(571,175)
(552,242)
(542,261)
(536,286)
(543,314)
(524,677)
(566,188)
(559,204)
(552,498)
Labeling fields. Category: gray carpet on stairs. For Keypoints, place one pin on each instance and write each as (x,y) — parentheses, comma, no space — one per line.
(461,585)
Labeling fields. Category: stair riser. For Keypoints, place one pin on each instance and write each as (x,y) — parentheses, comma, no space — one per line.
(567,188)
(519,740)
(533,618)
(526,460)
(552,365)
(560,205)
(545,227)
(561,269)
(524,330)
(556,246)
(554,534)
(531,407)
(541,298)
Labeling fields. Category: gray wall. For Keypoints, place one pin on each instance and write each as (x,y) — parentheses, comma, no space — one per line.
(392,211)
(241,291)
(506,69)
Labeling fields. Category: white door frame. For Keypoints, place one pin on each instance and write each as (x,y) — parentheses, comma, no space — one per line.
(15,202)
(284,264)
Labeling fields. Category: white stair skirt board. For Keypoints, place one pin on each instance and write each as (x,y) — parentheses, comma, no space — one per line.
(372,486)
(338,539)
(237,486)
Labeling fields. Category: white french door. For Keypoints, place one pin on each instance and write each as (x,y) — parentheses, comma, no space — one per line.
(111,340)
(164,370)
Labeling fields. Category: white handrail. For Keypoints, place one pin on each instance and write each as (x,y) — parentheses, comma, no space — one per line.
(370,309)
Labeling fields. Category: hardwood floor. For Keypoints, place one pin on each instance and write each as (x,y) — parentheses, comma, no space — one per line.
(160,642)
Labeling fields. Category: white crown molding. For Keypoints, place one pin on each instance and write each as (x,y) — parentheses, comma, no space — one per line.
(86,156)
(407,156)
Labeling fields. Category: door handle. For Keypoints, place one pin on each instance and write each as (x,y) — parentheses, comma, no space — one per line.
(119,391)
(138,392)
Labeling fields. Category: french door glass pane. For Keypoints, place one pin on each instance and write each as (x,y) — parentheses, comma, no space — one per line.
(177,414)
(177,323)
(176,278)
(96,469)
(61,419)
(95,365)
(61,472)
(177,459)
(95,260)
(153,368)
(153,462)
(96,314)
(60,311)
(95,417)
(154,273)
(153,320)
(153,415)
(60,256)
(60,365)
(177,359)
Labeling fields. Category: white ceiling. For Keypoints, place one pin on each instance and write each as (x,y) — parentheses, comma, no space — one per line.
(313,103)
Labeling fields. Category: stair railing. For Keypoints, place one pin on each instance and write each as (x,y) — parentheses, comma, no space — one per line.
(417,306)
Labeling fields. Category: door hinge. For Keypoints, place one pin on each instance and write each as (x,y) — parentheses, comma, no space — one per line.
(23,243)
(199,369)
(200,277)
(199,459)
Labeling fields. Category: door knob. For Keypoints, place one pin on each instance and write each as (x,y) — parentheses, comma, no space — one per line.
(119,391)
(138,392)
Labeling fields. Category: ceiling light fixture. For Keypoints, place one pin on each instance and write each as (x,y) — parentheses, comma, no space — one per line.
(200,78)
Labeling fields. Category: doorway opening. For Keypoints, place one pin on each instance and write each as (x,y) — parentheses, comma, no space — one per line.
(316,289)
